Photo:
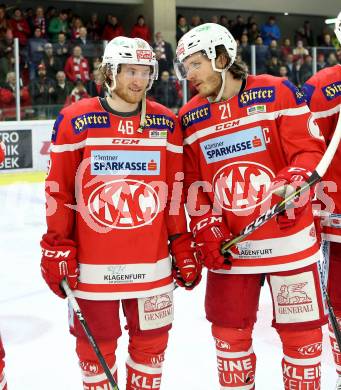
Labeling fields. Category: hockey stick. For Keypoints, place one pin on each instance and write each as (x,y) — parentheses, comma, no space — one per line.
(281,206)
(88,333)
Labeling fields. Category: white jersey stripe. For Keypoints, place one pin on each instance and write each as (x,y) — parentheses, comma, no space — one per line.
(3,381)
(111,296)
(286,266)
(174,148)
(331,237)
(326,113)
(66,147)
(111,274)
(244,121)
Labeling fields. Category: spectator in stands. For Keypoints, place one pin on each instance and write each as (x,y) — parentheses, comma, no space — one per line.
(224,21)
(165,91)
(7,97)
(283,71)
(51,12)
(112,29)
(273,49)
(253,33)
(239,28)
(270,31)
(88,48)
(273,66)
(327,45)
(39,20)
(42,90)
(93,27)
(296,75)
(244,49)
(61,48)
(95,85)
(79,92)
(58,24)
(262,56)
(214,19)
(290,65)
(62,89)
(51,62)
(305,34)
(321,61)
(165,49)
(332,59)
(4,23)
(6,55)
(77,66)
(20,27)
(300,51)
(306,70)
(182,27)
(76,25)
(36,46)
(163,64)
(28,15)
(285,49)
(141,30)
(195,21)
(250,21)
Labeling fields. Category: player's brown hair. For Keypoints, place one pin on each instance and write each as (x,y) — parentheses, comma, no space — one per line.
(238,69)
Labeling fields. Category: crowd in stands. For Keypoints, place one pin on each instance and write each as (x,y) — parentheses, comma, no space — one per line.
(60,53)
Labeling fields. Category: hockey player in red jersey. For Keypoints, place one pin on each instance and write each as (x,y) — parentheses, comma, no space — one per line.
(113,203)
(243,137)
(323,94)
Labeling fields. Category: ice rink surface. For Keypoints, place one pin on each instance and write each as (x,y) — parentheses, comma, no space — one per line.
(33,321)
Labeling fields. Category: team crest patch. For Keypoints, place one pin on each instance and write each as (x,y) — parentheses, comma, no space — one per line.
(308,91)
(195,116)
(332,90)
(90,120)
(56,125)
(257,109)
(298,95)
(256,95)
(154,121)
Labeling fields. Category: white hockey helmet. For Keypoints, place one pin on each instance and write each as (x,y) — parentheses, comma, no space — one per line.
(204,38)
(136,51)
(337,29)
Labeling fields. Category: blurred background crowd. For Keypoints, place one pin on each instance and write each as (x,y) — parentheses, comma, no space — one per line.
(60,53)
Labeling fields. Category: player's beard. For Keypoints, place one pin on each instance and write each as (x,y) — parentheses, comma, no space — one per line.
(128,96)
(211,86)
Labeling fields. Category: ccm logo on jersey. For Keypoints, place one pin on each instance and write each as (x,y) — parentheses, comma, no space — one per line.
(194,116)
(256,95)
(159,122)
(90,120)
(332,91)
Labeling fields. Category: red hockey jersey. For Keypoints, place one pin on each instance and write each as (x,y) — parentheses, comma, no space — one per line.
(236,148)
(115,191)
(323,94)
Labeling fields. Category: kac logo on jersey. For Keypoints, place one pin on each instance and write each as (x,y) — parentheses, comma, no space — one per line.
(90,120)
(332,91)
(194,116)
(124,204)
(256,96)
(125,162)
(154,121)
(233,145)
(242,185)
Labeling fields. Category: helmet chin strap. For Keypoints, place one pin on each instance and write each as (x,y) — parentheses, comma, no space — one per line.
(223,79)
(143,114)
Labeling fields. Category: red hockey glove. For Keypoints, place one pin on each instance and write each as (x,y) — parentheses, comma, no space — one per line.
(186,267)
(59,262)
(293,177)
(209,234)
